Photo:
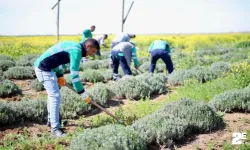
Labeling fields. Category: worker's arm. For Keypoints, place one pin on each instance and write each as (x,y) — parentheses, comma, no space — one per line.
(75,59)
(168,48)
(134,57)
(59,70)
(103,43)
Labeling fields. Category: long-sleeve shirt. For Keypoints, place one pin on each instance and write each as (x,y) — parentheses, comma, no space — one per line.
(159,44)
(100,40)
(127,50)
(122,37)
(56,58)
(86,35)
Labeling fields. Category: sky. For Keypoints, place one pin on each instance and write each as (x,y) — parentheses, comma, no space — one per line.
(35,17)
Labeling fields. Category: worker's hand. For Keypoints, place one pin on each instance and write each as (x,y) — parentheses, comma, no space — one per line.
(84,60)
(136,67)
(85,97)
(61,81)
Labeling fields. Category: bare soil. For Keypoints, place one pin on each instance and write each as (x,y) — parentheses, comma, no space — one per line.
(235,122)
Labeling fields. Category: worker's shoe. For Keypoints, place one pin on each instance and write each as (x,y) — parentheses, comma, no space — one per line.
(57,133)
(115,76)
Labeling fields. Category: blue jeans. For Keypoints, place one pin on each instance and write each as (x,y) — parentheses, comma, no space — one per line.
(116,60)
(163,54)
(49,81)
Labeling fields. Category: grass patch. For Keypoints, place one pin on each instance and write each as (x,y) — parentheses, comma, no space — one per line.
(129,114)
(27,140)
(207,90)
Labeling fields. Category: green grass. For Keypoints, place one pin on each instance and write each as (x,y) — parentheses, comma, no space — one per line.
(211,145)
(39,141)
(129,114)
(207,90)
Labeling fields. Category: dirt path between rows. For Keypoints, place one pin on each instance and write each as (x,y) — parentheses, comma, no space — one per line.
(235,122)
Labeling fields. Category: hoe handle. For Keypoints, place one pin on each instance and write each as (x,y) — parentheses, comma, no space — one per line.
(97,105)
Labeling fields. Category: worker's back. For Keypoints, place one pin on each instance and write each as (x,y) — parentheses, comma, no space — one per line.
(126,49)
(121,37)
(159,44)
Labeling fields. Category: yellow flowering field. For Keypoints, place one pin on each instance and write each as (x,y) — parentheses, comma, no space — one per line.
(16,46)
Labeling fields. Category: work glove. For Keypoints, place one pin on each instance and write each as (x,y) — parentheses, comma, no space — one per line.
(61,81)
(85,97)
(84,60)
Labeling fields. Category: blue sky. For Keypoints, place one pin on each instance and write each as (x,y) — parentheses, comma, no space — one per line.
(35,17)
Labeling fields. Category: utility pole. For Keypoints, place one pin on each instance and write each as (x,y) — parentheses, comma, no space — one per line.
(58,10)
(123,3)
(124,19)
(57,22)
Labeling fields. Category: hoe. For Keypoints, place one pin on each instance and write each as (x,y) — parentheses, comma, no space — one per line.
(98,106)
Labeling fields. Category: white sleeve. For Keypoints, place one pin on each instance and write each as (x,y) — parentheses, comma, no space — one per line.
(102,41)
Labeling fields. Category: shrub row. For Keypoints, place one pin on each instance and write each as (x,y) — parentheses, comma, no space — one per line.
(73,106)
(36,110)
(37,86)
(199,73)
(13,112)
(217,51)
(96,64)
(5,57)
(232,101)
(100,93)
(109,137)
(6,64)
(9,88)
(27,60)
(92,76)
(160,67)
(139,86)
(174,121)
(20,73)
(1,73)
(132,87)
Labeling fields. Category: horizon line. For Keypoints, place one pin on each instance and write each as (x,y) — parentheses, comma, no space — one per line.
(194,33)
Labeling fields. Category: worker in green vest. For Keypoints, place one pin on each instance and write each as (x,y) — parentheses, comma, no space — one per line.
(49,71)
(87,34)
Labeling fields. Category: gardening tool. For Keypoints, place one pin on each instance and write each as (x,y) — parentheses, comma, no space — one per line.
(140,71)
(98,106)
